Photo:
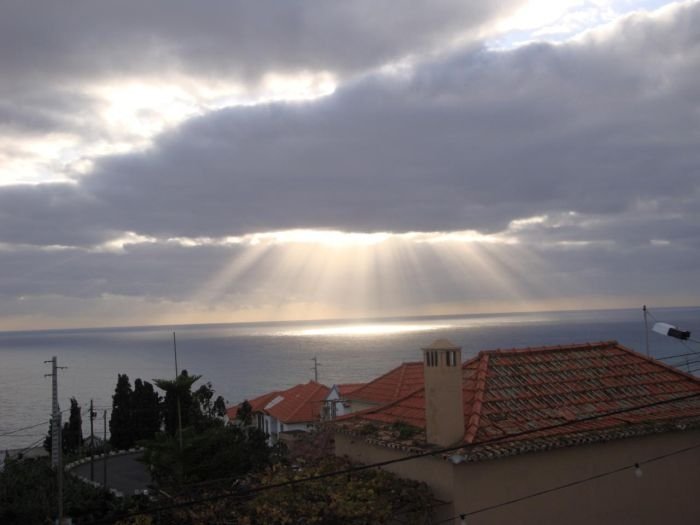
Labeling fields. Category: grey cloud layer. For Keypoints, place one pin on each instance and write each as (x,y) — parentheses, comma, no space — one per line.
(244,40)
(607,127)
(604,126)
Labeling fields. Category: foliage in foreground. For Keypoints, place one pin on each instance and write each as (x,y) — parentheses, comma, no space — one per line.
(360,498)
(28,495)
(217,452)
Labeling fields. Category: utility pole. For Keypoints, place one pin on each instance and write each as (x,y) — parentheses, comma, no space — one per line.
(646,328)
(93,414)
(315,368)
(177,393)
(56,446)
(104,451)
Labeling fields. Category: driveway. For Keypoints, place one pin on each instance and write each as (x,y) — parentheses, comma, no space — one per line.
(124,473)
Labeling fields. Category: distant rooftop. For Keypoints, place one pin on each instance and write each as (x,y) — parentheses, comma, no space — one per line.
(396,383)
(298,404)
(507,392)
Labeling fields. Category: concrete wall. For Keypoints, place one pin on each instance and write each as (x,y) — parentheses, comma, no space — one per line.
(437,473)
(668,491)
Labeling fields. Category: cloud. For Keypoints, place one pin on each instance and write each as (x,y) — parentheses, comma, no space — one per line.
(239,39)
(599,126)
(596,138)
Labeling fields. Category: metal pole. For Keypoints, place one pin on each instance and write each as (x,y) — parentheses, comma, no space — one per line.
(56,445)
(646,328)
(104,452)
(175,352)
(315,360)
(177,393)
(92,444)
(59,472)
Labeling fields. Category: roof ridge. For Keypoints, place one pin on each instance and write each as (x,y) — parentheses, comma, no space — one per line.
(376,379)
(550,348)
(397,389)
(307,399)
(477,403)
(377,408)
(469,361)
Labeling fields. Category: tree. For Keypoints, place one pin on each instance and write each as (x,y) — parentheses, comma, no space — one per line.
(145,405)
(177,390)
(206,410)
(245,413)
(71,433)
(73,430)
(121,427)
(216,452)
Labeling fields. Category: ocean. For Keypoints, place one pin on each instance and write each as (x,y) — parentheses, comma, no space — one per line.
(245,360)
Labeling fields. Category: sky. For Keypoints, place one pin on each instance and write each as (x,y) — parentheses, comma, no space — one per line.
(179,162)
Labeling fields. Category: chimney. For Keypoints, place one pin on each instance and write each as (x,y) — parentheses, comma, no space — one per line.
(444,410)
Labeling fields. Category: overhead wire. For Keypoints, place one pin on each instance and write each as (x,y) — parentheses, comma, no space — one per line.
(325,475)
(11,432)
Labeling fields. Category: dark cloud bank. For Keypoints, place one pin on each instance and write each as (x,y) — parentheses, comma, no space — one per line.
(606,126)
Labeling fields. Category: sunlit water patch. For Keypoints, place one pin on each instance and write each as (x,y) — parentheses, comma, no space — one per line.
(365,329)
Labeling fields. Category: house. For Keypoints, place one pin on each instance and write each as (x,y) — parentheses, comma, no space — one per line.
(286,411)
(577,434)
(337,401)
(388,387)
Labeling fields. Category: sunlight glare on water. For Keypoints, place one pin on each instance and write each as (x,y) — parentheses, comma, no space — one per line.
(365,329)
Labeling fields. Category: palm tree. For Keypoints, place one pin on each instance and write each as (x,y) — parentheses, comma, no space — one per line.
(177,405)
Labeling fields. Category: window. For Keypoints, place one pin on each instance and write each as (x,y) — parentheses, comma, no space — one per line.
(431,358)
(451,358)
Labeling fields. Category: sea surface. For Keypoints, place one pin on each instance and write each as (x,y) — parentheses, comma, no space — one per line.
(245,360)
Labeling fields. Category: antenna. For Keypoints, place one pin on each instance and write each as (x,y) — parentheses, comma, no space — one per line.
(315,368)
(646,328)
(671,331)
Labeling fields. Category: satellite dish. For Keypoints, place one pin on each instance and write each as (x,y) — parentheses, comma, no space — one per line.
(671,331)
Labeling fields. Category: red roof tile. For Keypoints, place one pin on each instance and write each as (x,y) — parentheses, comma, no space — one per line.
(348,388)
(299,404)
(560,390)
(257,404)
(393,385)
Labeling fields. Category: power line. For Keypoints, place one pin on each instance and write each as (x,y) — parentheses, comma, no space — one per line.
(569,484)
(30,426)
(25,428)
(676,356)
(263,488)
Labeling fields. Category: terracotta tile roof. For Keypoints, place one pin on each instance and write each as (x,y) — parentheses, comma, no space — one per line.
(348,388)
(257,404)
(393,385)
(299,404)
(560,390)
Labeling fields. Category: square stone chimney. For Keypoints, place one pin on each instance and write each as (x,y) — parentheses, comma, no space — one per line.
(444,410)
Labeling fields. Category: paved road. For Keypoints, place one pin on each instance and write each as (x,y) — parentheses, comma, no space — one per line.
(124,473)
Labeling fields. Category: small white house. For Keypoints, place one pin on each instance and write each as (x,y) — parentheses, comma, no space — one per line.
(296,409)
